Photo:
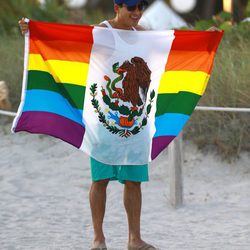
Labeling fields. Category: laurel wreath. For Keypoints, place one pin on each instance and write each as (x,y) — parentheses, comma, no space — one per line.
(123,110)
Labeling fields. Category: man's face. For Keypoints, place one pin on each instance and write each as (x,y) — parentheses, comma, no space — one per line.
(129,16)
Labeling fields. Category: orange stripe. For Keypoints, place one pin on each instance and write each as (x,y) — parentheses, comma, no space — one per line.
(61,50)
(193,51)
(190,61)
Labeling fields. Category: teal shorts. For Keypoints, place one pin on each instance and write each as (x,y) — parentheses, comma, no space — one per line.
(122,173)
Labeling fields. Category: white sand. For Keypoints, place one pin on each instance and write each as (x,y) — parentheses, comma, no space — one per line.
(44,187)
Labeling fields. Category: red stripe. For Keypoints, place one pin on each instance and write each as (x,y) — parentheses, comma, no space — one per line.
(56,31)
(193,51)
(196,40)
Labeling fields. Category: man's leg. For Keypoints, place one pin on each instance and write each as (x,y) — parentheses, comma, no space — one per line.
(97,199)
(132,202)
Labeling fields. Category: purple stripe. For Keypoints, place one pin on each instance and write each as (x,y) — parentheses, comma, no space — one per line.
(51,124)
(160,143)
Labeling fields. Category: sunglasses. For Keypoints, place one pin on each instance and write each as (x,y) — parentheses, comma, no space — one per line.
(141,6)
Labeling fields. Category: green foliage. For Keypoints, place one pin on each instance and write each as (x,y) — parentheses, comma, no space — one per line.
(248,9)
(204,24)
(53,11)
(11,11)
(90,16)
(11,67)
(224,16)
(222,21)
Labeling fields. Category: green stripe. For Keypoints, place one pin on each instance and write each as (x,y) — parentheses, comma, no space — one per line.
(182,103)
(43,80)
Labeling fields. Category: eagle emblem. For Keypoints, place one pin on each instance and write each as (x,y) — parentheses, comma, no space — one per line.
(125,98)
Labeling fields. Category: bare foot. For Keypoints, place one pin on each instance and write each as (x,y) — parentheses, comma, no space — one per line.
(99,245)
(140,245)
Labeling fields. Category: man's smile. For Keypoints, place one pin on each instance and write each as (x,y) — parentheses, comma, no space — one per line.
(135,18)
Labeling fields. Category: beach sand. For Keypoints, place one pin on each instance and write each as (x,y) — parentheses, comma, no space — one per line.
(44,185)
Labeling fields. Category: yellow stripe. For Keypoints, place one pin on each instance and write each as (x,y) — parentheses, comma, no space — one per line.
(63,71)
(190,81)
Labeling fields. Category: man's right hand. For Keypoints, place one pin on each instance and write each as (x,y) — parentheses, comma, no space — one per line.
(24,27)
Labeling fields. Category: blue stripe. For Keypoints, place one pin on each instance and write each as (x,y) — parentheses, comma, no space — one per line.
(170,124)
(48,101)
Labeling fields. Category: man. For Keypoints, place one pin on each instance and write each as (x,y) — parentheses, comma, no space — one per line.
(128,14)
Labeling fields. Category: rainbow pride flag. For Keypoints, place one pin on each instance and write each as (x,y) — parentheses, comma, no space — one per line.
(120,96)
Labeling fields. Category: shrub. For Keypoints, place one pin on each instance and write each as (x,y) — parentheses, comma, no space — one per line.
(11,11)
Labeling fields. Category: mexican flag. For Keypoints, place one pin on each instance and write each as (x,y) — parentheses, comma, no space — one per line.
(120,96)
